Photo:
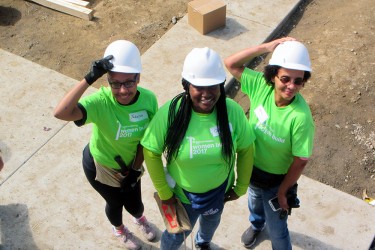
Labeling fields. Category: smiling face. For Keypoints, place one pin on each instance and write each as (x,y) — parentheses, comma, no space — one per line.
(286,90)
(128,86)
(204,98)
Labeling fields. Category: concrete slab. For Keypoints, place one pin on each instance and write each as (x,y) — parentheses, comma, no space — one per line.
(27,99)
(29,94)
(322,222)
(330,219)
(50,194)
(164,60)
(247,24)
(267,13)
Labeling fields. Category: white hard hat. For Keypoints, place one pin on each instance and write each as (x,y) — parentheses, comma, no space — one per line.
(203,67)
(291,55)
(126,57)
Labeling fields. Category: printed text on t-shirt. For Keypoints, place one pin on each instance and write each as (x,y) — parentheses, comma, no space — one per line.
(201,147)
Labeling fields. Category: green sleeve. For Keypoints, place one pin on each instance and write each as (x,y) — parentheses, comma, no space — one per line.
(245,161)
(155,168)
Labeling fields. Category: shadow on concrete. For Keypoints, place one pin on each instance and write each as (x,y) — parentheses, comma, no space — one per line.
(15,228)
(9,16)
(145,244)
(302,241)
(372,246)
(231,30)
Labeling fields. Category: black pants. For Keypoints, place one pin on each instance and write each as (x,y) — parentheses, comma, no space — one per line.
(115,199)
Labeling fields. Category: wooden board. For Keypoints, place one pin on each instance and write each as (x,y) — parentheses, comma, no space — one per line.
(68,8)
(78,2)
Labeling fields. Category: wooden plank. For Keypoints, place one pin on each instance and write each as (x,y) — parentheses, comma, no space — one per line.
(68,8)
(78,2)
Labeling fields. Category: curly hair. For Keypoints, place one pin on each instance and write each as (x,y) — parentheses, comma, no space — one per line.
(179,119)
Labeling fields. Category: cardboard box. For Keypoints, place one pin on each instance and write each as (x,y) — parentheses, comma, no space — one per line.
(206,15)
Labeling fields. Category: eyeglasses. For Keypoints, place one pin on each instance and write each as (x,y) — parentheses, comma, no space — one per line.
(128,84)
(285,79)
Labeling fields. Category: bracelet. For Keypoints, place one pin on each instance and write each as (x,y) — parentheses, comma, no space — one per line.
(138,170)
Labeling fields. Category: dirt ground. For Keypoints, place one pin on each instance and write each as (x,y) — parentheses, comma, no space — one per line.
(339,34)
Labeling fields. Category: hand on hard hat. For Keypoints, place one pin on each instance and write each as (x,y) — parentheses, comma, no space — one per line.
(290,54)
(98,69)
(126,57)
(271,46)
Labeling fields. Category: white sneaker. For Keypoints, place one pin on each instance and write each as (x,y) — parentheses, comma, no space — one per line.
(147,230)
(127,238)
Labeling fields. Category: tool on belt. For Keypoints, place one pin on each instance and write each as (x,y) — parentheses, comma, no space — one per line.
(131,175)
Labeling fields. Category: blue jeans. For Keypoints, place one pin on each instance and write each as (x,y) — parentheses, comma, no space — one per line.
(262,214)
(207,227)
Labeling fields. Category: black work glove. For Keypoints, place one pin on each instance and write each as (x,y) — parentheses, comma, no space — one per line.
(230,195)
(98,69)
(129,182)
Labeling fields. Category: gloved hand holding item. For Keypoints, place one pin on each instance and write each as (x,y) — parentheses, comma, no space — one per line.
(131,176)
(129,182)
(98,69)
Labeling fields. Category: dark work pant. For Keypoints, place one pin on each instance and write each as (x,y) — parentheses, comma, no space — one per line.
(115,199)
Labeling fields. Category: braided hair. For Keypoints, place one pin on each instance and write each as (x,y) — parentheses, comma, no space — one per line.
(179,119)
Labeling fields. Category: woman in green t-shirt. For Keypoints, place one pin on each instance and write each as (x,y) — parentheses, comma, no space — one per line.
(282,122)
(119,115)
(201,132)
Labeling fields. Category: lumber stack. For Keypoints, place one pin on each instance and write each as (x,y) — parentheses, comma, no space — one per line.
(76,8)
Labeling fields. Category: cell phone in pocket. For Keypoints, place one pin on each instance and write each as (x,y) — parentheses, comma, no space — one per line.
(274,204)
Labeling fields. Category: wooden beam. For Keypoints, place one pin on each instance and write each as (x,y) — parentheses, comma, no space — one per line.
(78,2)
(68,8)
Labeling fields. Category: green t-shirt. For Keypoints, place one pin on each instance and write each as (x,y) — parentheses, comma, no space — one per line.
(117,129)
(199,166)
(281,132)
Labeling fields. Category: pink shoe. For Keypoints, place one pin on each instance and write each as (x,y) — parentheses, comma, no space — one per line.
(127,238)
(147,230)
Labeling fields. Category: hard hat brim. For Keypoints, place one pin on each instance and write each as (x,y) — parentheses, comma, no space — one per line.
(294,66)
(204,82)
(125,69)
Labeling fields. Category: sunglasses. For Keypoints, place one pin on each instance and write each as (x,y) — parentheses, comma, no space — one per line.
(285,79)
(128,84)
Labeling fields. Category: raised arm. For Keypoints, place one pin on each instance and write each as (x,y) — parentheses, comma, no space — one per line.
(67,109)
(235,63)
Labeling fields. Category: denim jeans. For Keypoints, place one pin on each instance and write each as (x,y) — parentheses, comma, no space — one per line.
(262,214)
(207,227)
